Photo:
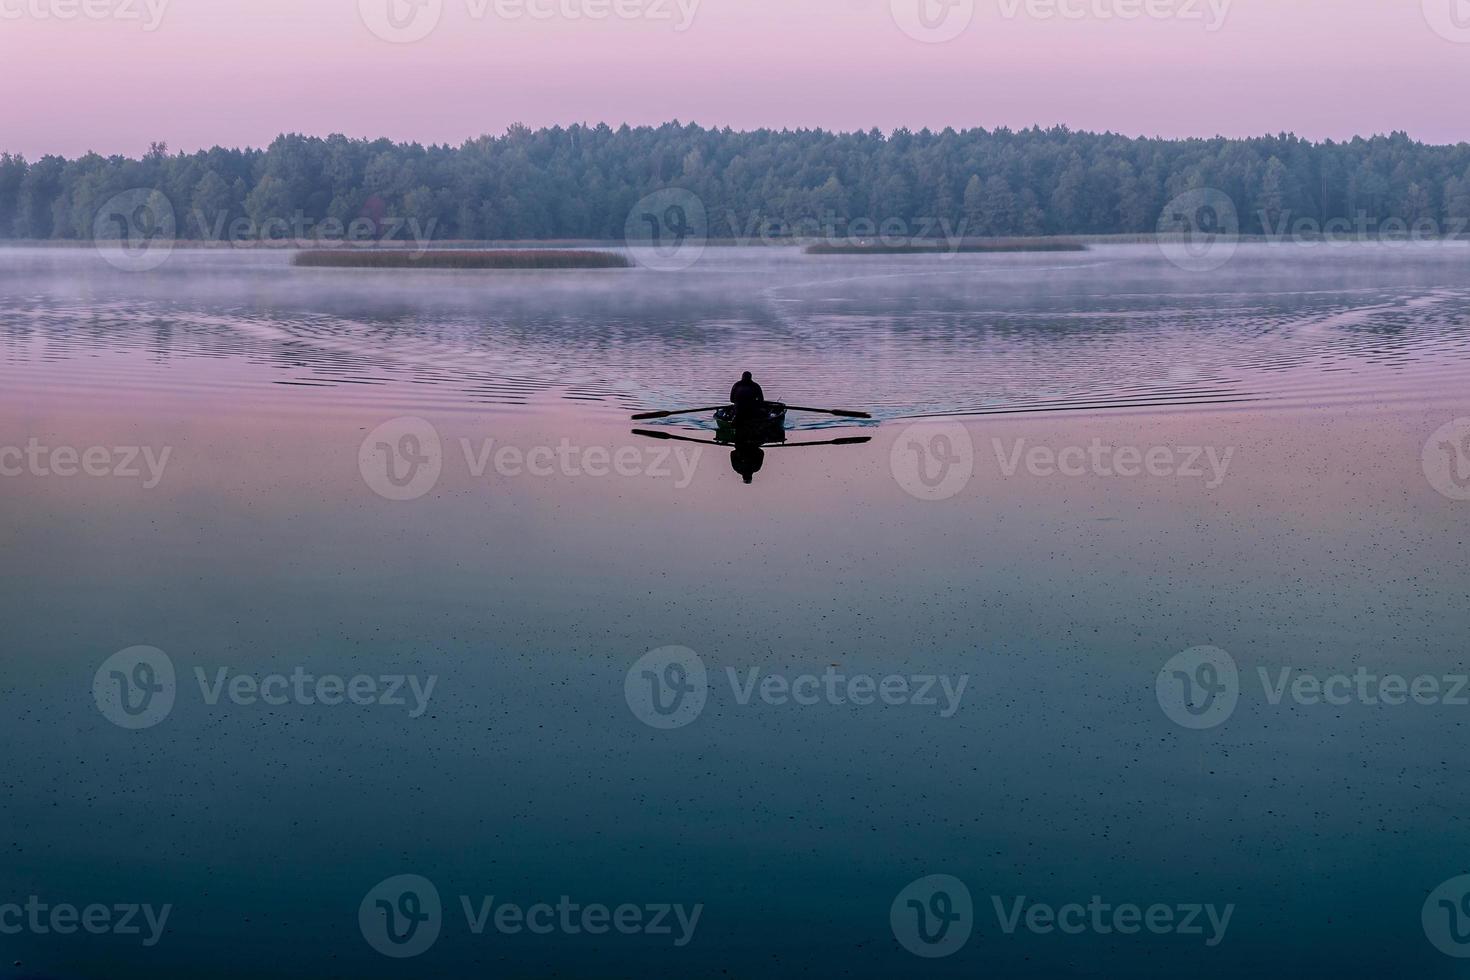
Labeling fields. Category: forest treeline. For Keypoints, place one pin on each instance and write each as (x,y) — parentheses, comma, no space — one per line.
(581,182)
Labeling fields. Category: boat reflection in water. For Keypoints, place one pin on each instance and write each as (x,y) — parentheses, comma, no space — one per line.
(749,439)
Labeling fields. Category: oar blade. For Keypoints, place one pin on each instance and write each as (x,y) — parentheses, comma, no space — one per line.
(645,416)
(845,413)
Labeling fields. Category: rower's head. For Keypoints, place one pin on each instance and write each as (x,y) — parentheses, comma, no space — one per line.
(745,376)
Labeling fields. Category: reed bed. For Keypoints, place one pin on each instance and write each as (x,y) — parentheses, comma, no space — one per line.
(540,258)
(940,248)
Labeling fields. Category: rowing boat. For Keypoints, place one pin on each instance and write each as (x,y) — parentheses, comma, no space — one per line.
(765,424)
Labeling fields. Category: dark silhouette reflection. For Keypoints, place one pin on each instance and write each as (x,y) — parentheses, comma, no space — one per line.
(748,444)
(747,460)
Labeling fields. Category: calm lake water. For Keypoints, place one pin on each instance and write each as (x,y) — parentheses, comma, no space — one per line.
(1082,469)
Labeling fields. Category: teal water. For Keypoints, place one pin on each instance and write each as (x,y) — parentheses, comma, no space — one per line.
(269,543)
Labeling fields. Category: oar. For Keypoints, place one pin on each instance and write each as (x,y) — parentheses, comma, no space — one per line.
(678,411)
(669,435)
(848,441)
(831,411)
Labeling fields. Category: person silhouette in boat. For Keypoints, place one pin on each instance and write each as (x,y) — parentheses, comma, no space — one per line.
(748,399)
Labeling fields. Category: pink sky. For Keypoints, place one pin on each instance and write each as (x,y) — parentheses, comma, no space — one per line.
(237,72)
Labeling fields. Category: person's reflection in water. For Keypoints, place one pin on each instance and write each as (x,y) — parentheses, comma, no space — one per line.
(747,459)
